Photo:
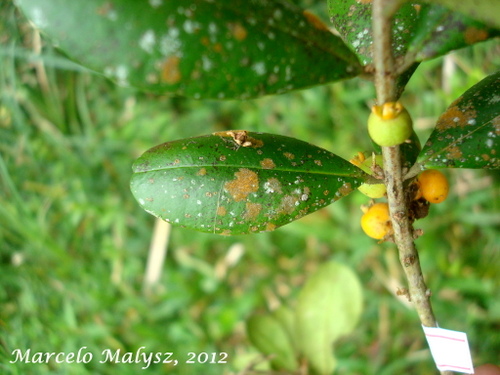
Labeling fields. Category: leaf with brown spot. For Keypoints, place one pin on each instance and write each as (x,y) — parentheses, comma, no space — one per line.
(420,31)
(245,182)
(485,11)
(439,30)
(186,182)
(353,20)
(467,134)
(199,49)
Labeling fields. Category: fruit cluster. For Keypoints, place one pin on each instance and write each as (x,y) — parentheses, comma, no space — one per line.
(431,186)
(390,125)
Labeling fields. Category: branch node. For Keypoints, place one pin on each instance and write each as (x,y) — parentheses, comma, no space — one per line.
(417,233)
(404,292)
(409,260)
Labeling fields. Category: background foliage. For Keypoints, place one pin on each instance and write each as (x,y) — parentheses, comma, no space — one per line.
(73,242)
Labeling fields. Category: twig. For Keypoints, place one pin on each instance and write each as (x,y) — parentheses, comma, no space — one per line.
(382,52)
(157,254)
(385,85)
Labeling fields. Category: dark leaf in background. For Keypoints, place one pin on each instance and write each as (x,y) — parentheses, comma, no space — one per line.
(410,150)
(353,20)
(270,336)
(440,30)
(467,133)
(239,182)
(328,307)
(199,48)
(420,32)
(485,11)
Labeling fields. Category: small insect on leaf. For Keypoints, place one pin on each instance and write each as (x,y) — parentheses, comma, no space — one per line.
(238,182)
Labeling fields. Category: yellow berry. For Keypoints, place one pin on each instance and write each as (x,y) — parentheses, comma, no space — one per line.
(376,222)
(433,185)
(389,124)
(372,190)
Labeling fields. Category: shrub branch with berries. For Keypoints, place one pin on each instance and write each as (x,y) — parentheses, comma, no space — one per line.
(233,182)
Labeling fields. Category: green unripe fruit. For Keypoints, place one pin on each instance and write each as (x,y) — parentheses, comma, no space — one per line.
(389,124)
(372,190)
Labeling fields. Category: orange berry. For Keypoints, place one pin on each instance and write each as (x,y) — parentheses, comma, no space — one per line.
(376,222)
(433,185)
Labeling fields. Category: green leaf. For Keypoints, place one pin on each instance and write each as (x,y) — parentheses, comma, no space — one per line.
(268,335)
(353,20)
(286,316)
(440,30)
(198,48)
(467,133)
(328,307)
(403,78)
(239,182)
(419,32)
(409,150)
(485,11)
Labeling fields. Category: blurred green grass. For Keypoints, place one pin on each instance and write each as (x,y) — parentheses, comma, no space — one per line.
(73,242)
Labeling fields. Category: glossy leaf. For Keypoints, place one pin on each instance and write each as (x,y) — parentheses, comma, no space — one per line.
(268,335)
(420,31)
(409,150)
(467,134)
(197,48)
(440,30)
(485,11)
(353,20)
(404,77)
(328,307)
(239,182)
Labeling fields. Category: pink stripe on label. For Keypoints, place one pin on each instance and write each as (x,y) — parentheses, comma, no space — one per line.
(445,337)
(456,367)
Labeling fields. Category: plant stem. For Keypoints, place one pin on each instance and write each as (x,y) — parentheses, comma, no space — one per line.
(403,236)
(385,84)
(382,52)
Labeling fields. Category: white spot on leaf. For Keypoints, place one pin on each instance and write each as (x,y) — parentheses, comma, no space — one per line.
(155,3)
(207,63)
(147,41)
(170,43)
(120,73)
(191,26)
(259,68)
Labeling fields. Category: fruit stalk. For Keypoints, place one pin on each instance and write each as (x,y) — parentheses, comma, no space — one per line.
(385,85)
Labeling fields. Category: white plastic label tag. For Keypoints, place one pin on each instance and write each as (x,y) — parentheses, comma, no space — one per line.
(450,349)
